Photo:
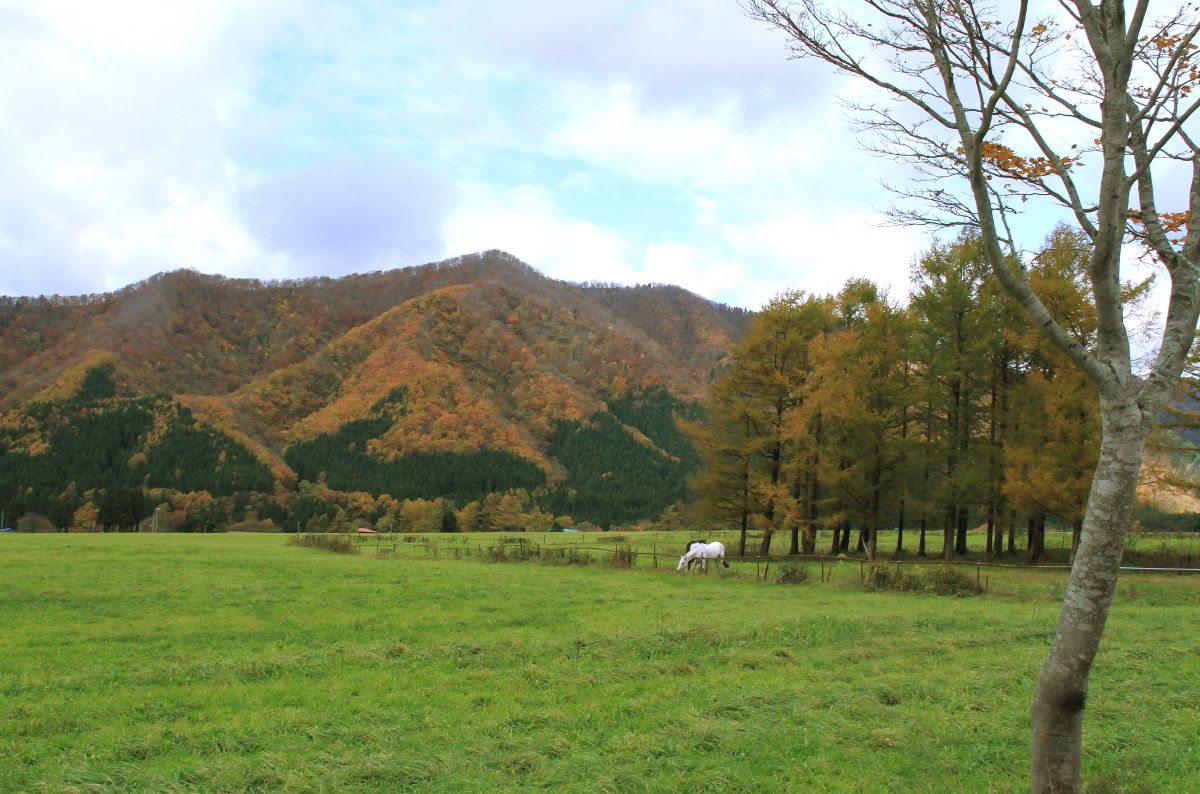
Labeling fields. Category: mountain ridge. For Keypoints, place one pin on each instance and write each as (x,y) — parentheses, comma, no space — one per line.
(488,354)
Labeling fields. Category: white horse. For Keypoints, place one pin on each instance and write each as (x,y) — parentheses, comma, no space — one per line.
(700,552)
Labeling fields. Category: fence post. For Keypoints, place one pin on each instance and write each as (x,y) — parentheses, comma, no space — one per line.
(978,569)
(822,561)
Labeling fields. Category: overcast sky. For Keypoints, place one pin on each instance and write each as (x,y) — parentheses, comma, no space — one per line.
(615,140)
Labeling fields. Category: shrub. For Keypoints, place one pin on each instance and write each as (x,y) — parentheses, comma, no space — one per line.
(513,550)
(330,542)
(939,580)
(32,522)
(523,551)
(553,555)
(253,525)
(793,574)
(946,580)
(882,577)
(623,557)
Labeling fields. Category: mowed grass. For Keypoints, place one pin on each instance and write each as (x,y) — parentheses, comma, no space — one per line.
(238,663)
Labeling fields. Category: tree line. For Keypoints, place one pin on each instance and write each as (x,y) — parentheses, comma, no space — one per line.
(855,414)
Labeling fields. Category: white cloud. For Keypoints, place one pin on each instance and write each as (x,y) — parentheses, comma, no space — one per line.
(526,222)
(144,136)
(817,250)
(674,52)
(118,115)
(711,146)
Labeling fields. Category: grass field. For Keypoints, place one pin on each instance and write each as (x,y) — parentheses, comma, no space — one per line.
(239,663)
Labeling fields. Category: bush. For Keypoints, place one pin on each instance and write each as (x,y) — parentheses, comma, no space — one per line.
(556,555)
(623,557)
(939,580)
(32,522)
(513,550)
(793,574)
(336,542)
(882,577)
(253,525)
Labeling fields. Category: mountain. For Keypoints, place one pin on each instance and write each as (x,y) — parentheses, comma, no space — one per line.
(457,379)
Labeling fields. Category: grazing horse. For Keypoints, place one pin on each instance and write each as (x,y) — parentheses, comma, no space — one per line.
(701,552)
(694,560)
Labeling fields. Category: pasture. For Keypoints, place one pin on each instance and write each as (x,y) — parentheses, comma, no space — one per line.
(237,662)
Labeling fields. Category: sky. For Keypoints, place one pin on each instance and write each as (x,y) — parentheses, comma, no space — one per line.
(628,141)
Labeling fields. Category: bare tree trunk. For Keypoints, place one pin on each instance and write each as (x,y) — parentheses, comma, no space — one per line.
(1035,544)
(745,523)
(810,533)
(1058,703)
(960,529)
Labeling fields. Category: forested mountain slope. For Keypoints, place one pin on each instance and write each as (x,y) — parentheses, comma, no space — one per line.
(394,384)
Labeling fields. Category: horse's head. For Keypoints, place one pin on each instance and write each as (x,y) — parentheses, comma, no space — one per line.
(682,562)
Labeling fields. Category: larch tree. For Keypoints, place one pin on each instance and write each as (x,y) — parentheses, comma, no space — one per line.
(861,388)
(954,334)
(766,372)
(1089,109)
(1054,446)
(725,444)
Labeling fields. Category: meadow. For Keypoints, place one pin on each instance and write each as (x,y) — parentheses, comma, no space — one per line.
(240,663)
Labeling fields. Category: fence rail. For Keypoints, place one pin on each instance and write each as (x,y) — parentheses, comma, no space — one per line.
(391,545)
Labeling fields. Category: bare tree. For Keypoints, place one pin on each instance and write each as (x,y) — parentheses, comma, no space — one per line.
(1087,109)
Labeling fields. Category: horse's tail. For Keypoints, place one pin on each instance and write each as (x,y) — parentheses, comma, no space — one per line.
(725,562)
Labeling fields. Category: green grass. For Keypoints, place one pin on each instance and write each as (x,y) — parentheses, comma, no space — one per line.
(238,663)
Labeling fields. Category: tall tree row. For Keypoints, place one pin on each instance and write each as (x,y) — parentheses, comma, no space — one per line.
(854,414)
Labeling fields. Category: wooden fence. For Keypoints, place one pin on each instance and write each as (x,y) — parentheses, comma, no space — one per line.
(528,548)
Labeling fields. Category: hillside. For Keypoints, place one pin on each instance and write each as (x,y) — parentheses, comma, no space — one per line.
(400,384)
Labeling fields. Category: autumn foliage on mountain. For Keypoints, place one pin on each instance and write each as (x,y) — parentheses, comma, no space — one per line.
(336,400)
